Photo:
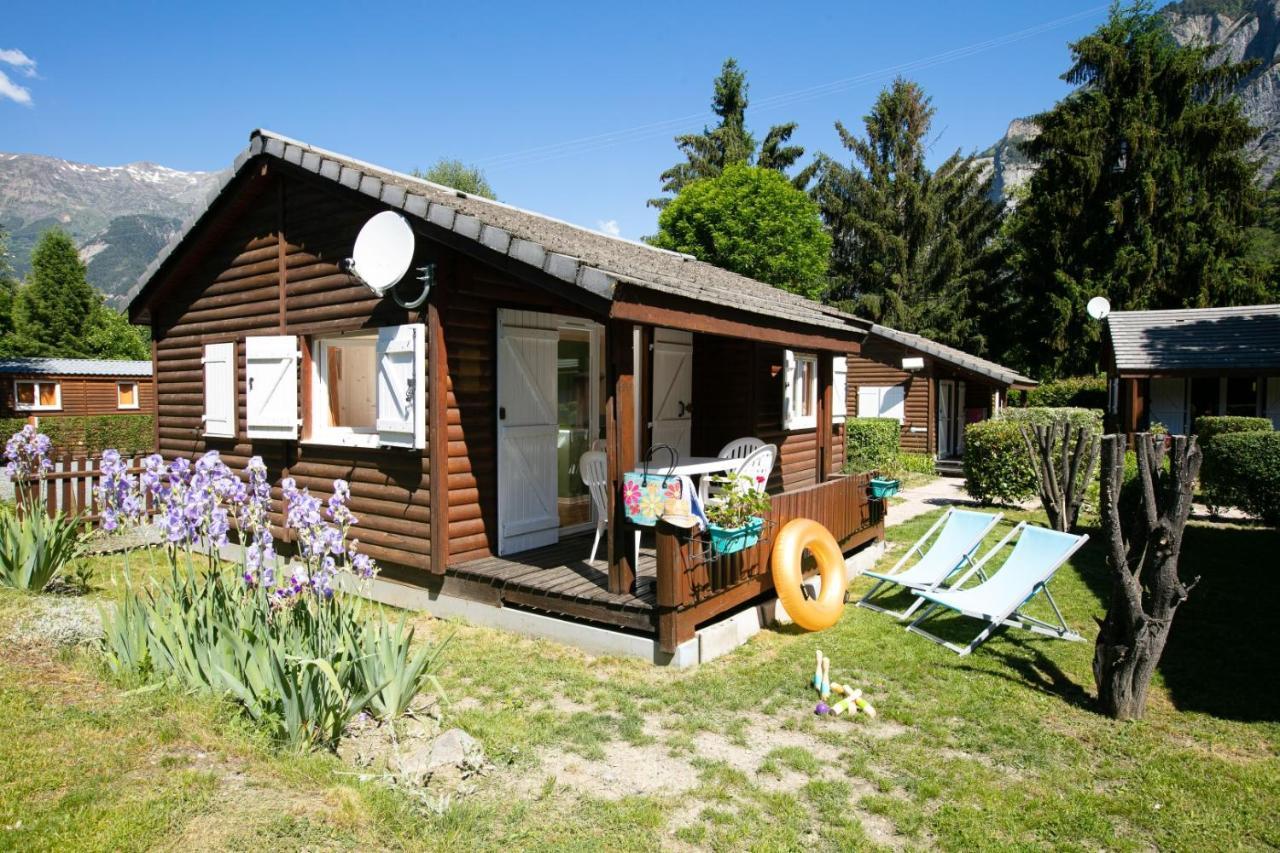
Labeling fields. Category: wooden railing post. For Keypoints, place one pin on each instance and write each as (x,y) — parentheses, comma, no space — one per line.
(620,437)
(673,553)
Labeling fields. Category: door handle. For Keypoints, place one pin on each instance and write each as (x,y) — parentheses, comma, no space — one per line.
(502,413)
(685,408)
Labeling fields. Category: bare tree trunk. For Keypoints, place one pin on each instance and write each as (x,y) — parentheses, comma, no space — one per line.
(1142,556)
(1064,470)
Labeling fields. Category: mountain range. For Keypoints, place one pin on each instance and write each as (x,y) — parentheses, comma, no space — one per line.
(121,216)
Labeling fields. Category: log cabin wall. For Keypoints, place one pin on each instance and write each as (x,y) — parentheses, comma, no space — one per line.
(880,364)
(81,395)
(726,407)
(295,231)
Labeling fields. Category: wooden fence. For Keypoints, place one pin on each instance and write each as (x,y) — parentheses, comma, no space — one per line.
(72,486)
(694,585)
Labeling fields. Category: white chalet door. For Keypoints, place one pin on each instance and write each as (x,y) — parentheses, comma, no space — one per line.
(528,425)
(1273,400)
(673,389)
(1169,404)
(946,417)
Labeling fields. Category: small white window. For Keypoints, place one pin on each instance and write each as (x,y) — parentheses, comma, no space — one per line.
(33,396)
(882,401)
(344,405)
(839,388)
(800,391)
(126,395)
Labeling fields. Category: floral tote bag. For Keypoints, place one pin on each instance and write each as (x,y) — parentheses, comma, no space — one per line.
(645,493)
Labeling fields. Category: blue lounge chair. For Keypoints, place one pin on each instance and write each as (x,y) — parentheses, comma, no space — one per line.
(1035,558)
(962,533)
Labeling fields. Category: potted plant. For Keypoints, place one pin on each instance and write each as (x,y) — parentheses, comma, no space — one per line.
(735,517)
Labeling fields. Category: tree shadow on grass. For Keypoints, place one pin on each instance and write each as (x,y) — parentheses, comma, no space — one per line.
(1221,656)
(1029,666)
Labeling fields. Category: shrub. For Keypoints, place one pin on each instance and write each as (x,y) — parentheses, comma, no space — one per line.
(1089,392)
(93,434)
(1046,415)
(1210,426)
(35,548)
(1242,469)
(912,463)
(997,467)
(871,443)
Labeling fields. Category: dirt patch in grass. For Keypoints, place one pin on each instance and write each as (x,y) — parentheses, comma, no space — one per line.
(56,620)
(625,770)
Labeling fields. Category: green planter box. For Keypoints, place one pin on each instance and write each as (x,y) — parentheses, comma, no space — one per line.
(882,487)
(730,541)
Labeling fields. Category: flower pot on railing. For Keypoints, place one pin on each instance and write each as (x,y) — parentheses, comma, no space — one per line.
(883,487)
(733,539)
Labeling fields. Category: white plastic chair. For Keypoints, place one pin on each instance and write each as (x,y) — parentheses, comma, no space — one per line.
(758,465)
(740,448)
(593,467)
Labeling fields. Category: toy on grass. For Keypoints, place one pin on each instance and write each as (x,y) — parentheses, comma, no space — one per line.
(822,708)
(849,702)
(825,689)
(865,707)
(817,672)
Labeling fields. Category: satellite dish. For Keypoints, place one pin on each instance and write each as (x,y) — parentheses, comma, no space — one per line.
(1098,307)
(383,252)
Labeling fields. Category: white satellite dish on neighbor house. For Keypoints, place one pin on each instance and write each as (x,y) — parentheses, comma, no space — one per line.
(1098,308)
(383,252)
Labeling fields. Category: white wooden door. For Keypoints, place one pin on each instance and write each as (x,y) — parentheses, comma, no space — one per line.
(673,389)
(1169,404)
(946,417)
(527,429)
(1273,400)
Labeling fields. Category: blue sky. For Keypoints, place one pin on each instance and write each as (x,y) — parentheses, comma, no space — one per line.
(569,109)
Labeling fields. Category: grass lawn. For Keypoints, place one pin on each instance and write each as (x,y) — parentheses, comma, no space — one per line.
(1001,749)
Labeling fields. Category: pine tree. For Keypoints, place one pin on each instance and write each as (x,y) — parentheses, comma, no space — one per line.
(911,245)
(706,154)
(8,293)
(1142,193)
(55,305)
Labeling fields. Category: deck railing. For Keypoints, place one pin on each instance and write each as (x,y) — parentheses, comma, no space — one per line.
(72,486)
(694,585)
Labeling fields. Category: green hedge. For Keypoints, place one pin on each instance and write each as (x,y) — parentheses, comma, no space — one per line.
(91,433)
(1087,392)
(871,444)
(1045,415)
(1210,426)
(997,467)
(1242,469)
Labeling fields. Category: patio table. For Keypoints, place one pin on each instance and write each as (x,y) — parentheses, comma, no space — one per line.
(696,466)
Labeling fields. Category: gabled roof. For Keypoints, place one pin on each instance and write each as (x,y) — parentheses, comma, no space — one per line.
(73,367)
(1246,337)
(955,357)
(593,261)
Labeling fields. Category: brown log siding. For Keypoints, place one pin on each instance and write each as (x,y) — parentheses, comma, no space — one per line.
(81,395)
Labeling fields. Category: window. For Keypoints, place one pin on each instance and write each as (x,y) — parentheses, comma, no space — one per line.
(343,399)
(800,405)
(32,396)
(839,388)
(882,401)
(219,364)
(126,395)
(1242,396)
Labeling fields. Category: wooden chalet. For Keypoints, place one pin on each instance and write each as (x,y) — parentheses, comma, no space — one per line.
(459,423)
(932,389)
(58,387)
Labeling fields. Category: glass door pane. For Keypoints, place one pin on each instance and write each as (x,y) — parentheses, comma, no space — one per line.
(574,401)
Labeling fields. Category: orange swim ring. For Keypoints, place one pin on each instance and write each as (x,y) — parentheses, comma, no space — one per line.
(788,556)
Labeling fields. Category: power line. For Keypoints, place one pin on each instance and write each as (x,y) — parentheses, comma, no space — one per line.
(599,141)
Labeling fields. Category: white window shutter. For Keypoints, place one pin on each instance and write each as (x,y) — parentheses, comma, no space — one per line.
(869,401)
(402,386)
(271,370)
(839,388)
(893,403)
(220,390)
(788,386)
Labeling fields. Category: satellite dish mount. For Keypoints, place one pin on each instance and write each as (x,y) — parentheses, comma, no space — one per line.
(382,256)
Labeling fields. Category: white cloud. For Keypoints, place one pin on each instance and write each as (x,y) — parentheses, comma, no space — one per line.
(24,65)
(14,92)
(609,226)
(19,60)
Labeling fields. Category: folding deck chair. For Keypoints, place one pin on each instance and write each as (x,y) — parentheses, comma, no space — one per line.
(1035,558)
(962,533)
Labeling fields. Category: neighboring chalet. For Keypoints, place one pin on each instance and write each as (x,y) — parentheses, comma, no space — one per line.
(1173,366)
(57,387)
(451,419)
(932,389)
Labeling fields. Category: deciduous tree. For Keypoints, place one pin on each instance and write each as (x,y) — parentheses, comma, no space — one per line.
(458,176)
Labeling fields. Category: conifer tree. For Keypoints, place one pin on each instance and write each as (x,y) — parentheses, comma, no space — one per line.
(708,153)
(8,292)
(911,245)
(1142,192)
(57,301)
